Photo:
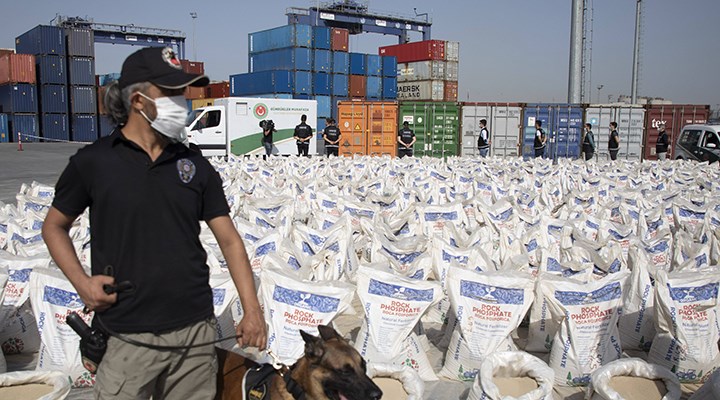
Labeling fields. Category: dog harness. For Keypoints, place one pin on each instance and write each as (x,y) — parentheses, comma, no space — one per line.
(256,383)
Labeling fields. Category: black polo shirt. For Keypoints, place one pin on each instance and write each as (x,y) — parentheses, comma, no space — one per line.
(145,222)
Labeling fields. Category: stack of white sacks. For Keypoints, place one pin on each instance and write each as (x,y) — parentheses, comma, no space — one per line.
(598,260)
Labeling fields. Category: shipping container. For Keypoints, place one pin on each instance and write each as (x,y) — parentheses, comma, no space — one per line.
(421,71)
(18,98)
(217,90)
(436,126)
(340,39)
(337,100)
(53,99)
(368,128)
(261,82)
(452,71)
(674,117)
(193,67)
(389,66)
(105,125)
(17,68)
(389,88)
(358,64)
(4,130)
(452,51)
(51,70)
(324,106)
(302,97)
(563,126)
(358,86)
(83,127)
(83,100)
(54,127)
(284,59)
(7,51)
(23,126)
(322,84)
(340,85)
(192,93)
(374,88)
(80,42)
(109,78)
(374,65)
(295,35)
(321,37)
(416,51)
(42,39)
(630,120)
(421,91)
(450,91)
(200,103)
(286,96)
(341,63)
(101,90)
(302,83)
(503,122)
(322,61)
(81,71)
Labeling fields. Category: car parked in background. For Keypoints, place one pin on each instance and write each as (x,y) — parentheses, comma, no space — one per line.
(699,142)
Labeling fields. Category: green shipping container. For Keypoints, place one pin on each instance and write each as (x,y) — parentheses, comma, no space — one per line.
(436,126)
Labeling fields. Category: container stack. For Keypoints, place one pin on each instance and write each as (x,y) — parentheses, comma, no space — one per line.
(194,67)
(81,85)
(215,90)
(17,90)
(105,125)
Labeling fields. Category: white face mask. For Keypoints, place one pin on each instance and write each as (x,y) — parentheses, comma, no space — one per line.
(171,115)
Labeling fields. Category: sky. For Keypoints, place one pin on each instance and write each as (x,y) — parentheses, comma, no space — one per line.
(510,50)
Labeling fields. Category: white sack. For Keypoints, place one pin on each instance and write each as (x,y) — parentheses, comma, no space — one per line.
(58,380)
(600,388)
(512,364)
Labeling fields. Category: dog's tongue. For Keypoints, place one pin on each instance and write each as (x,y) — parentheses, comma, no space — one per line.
(342,397)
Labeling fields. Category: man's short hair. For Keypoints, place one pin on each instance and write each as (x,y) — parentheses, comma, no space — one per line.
(405,123)
(589,125)
(538,122)
(303,118)
(483,121)
(613,124)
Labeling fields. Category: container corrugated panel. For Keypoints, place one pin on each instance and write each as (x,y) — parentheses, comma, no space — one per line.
(24,126)
(452,72)
(54,126)
(416,51)
(53,99)
(51,70)
(322,61)
(340,39)
(81,71)
(324,106)
(374,87)
(630,120)
(421,91)
(105,125)
(4,130)
(18,98)
(452,51)
(264,82)
(302,83)
(283,59)
(368,128)
(358,64)
(358,86)
(295,35)
(17,68)
(321,37)
(503,122)
(322,84)
(563,126)
(335,101)
(341,63)
(421,71)
(389,88)
(389,66)
(436,126)
(674,117)
(109,78)
(83,100)
(340,85)
(80,42)
(192,93)
(374,65)
(42,39)
(193,67)
(218,90)
(83,128)
(450,91)
(199,103)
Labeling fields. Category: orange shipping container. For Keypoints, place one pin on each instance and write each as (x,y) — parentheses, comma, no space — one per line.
(218,90)
(192,92)
(358,86)
(193,67)
(339,39)
(17,68)
(368,128)
(451,91)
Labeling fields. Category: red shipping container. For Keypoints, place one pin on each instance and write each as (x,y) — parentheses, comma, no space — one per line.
(6,51)
(192,92)
(193,67)
(358,86)
(339,39)
(17,68)
(416,51)
(451,91)
(674,117)
(218,90)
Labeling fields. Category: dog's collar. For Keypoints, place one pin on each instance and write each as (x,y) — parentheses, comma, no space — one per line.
(292,386)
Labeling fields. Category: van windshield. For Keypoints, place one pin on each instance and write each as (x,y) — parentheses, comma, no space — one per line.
(192,115)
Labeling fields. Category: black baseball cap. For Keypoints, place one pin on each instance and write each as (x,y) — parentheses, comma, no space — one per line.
(159,66)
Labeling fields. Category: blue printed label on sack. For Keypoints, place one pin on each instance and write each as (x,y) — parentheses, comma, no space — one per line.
(685,213)
(263,223)
(403,258)
(63,298)
(250,238)
(491,294)
(304,300)
(592,225)
(307,249)
(399,292)
(271,210)
(615,266)
(360,213)
(608,292)
(294,263)
(19,275)
(658,248)
(35,206)
(218,296)
(503,216)
(32,239)
(328,204)
(447,257)
(554,265)
(692,294)
(531,246)
(441,216)
(265,249)
(37,225)
(317,239)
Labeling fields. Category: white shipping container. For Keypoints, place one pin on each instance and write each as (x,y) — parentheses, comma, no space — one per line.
(630,120)
(503,123)
(421,71)
(452,71)
(422,90)
(452,51)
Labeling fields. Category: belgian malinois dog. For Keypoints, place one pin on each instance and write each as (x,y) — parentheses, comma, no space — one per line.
(331,369)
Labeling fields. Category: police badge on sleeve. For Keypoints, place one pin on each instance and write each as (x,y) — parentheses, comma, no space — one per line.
(186,170)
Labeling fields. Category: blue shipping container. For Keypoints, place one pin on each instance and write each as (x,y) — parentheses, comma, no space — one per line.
(323,61)
(302,97)
(83,100)
(562,124)
(341,62)
(324,106)
(373,65)
(105,125)
(4,132)
(80,42)
(53,99)
(389,66)
(303,83)
(25,125)
(109,78)
(81,71)
(261,82)
(287,96)
(55,127)
(295,58)
(340,85)
(389,88)
(281,37)
(357,64)
(319,129)
(51,70)
(374,87)
(322,84)
(334,105)
(41,40)
(18,98)
(321,37)
(84,128)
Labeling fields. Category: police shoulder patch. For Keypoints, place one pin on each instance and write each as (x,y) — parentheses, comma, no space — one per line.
(186,170)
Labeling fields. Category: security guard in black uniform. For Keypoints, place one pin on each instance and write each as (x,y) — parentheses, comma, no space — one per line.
(406,140)
(303,134)
(332,136)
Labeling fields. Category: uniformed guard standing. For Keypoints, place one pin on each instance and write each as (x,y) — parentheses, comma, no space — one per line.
(332,136)
(406,140)
(483,139)
(303,134)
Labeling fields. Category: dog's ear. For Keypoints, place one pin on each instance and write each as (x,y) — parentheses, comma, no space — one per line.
(313,345)
(327,333)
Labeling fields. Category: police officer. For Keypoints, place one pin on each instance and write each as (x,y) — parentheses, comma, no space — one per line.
(661,147)
(406,140)
(303,134)
(613,141)
(483,139)
(332,136)
(540,139)
(588,142)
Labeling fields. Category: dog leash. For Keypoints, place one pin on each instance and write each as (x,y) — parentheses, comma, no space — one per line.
(283,370)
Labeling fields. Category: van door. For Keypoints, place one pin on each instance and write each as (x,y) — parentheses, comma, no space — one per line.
(208,131)
(709,149)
